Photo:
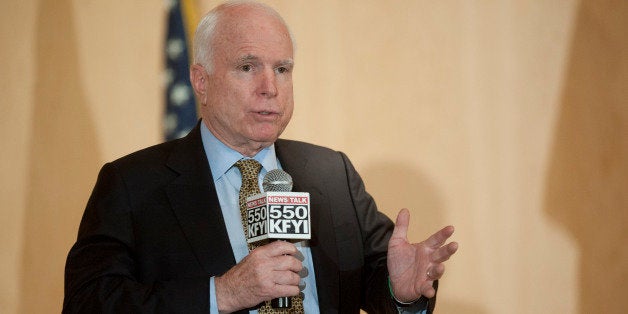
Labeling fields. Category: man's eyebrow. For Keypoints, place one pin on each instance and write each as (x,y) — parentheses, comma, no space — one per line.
(286,63)
(247,58)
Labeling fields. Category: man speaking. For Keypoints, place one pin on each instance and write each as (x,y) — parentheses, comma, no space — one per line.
(164,230)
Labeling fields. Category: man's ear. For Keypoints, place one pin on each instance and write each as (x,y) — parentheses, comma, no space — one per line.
(198,79)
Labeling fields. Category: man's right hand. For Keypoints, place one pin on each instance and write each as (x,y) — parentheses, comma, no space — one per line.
(268,272)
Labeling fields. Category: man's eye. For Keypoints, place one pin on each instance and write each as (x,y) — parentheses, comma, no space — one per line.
(246,68)
(282,70)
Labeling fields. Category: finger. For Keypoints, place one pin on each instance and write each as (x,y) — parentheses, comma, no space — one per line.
(444,252)
(438,239)
(286,278)
(436,272)
(278,248)
(401,225)
(286,291)
(303,272)
(427,290)
(298,255)
(287,262)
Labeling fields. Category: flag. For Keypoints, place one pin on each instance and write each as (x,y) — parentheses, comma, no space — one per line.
(180,114)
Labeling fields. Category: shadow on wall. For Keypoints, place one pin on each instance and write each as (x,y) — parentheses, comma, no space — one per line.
(64,159)
(588,176)
(395,185)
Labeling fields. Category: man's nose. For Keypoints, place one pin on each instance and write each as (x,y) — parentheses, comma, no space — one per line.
(268,84)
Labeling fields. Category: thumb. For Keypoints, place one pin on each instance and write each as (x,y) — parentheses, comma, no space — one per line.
(401,225)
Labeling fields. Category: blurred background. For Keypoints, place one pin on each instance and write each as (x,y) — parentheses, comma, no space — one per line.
(507,119)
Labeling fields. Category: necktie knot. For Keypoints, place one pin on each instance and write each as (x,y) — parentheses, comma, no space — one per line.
(249,168)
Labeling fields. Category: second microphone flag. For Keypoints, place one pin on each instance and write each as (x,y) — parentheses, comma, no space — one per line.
(278,215)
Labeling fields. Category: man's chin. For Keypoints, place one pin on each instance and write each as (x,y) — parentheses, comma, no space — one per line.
(266,135)
(264,142)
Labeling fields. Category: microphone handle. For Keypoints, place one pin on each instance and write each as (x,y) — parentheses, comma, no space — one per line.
(281,303)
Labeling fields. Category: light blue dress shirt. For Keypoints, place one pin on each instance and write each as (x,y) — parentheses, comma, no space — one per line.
(227,180)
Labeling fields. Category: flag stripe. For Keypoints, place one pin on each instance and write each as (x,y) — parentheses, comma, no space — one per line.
(190,20)
(180,114)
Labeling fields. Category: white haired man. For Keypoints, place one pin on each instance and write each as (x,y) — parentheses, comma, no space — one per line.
(162,231)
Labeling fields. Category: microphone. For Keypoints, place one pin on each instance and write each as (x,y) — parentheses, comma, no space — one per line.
(278,214)
(277,180)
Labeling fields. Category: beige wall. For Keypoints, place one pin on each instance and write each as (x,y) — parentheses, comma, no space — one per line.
(507,119)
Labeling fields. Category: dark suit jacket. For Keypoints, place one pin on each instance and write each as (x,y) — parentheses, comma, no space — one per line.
(152,233)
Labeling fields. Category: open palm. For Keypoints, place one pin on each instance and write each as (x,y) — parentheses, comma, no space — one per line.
(413,267)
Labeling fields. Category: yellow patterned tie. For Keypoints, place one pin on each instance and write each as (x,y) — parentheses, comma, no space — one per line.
(249,168)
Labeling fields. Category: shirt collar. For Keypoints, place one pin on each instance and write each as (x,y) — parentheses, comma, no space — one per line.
(221,157)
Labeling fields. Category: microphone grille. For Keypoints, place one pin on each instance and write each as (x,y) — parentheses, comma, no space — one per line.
(277,180)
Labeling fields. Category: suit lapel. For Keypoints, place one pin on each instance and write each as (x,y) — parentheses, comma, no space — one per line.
(195,203)
(323,242)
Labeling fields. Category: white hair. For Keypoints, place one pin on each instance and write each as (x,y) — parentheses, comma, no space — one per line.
(206,30)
